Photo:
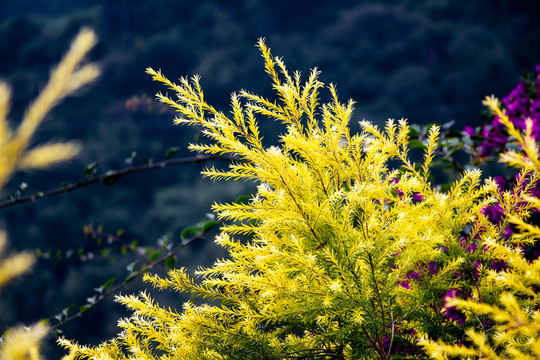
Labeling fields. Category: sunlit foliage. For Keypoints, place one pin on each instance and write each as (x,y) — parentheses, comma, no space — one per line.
(346,251)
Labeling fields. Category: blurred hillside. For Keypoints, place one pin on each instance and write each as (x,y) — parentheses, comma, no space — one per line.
(425,60)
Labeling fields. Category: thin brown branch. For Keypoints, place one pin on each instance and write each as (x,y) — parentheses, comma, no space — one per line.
(136,274)
(110,177)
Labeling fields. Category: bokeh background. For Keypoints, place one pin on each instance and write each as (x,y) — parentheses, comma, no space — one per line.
(431,61)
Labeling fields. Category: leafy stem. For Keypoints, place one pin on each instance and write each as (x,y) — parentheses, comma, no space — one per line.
(132,276)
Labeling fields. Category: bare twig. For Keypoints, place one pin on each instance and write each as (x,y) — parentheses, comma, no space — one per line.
(110,177)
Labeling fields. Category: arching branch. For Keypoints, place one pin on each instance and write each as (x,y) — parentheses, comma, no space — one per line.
(112,176)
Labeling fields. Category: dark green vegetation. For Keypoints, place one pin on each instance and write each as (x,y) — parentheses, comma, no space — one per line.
(429,61)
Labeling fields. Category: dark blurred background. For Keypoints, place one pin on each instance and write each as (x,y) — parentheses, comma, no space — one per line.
(425,60)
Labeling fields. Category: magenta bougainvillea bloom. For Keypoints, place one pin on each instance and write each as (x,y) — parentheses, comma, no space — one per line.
(494,213)
(521,103)
(451,312)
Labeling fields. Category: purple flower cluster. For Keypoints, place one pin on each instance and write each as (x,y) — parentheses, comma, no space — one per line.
(472,249)
(451,312)
(517,187)
(522,102)
(495,214)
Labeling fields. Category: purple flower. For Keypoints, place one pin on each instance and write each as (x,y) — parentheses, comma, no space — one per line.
(501,183)
(494,139)
(468,247)
(404,284)
(451,312)
(517,101)
(507,233)
(498,265)
(433,267)
(412,275)
(497,137)
(494,213)
(469,130)
(535,192)
(486,149)
(395,181)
